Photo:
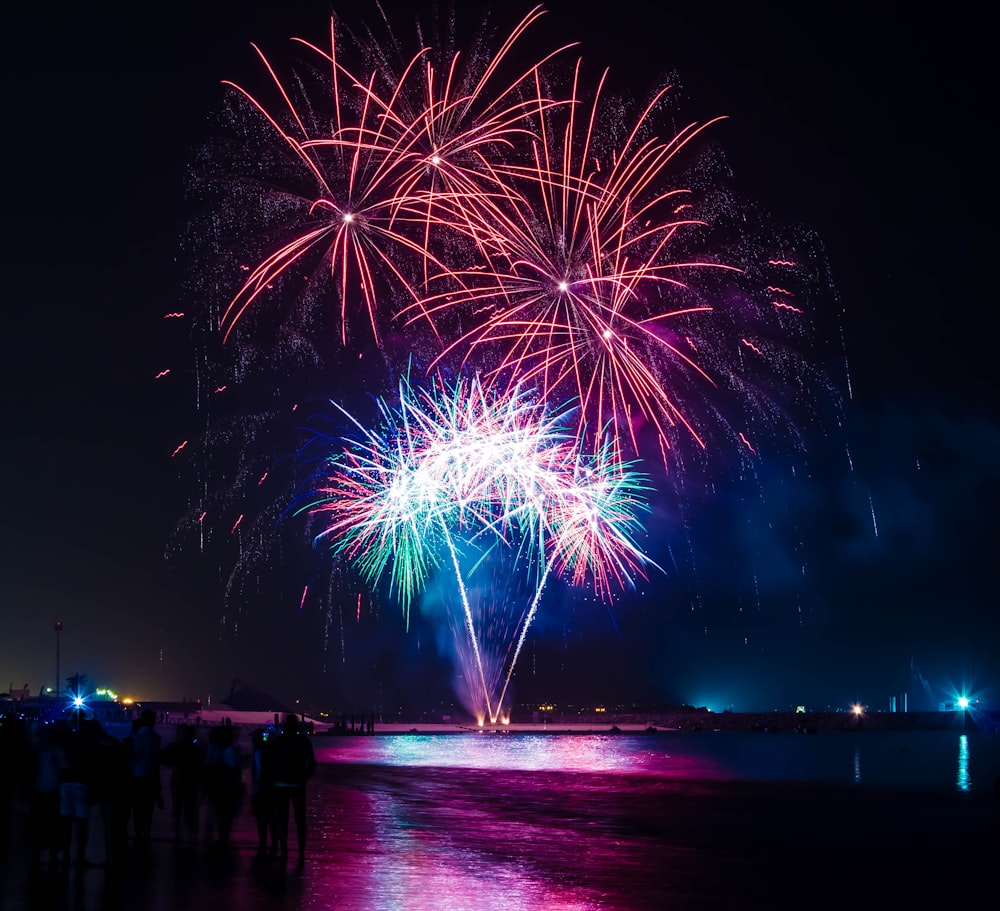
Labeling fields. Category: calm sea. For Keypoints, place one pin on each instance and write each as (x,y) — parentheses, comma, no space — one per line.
(567,822)
(724,820)
(931,760)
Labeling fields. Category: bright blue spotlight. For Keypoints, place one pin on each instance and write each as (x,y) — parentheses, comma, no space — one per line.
(963,702)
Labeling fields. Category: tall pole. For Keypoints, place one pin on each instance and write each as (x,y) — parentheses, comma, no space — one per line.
(58,629)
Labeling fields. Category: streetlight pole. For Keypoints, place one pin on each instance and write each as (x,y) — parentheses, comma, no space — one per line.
(58,629)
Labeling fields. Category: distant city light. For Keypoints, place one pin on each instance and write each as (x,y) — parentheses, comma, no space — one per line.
(858,709)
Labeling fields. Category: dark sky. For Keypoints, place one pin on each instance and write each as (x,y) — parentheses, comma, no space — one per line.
(873,575)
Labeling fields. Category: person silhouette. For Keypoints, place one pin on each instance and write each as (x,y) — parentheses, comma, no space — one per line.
(186,758)
(293,763)
(144,762)
(262,792)
(105,764)
(223,781)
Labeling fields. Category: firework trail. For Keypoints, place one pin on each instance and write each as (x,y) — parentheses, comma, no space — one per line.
(485,213)
(462,469)
(373,167)
(494,214)
(577,259)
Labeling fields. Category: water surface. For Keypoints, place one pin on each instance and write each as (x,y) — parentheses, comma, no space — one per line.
(470,822)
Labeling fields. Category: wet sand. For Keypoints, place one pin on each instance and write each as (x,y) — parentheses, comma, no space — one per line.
(442,839)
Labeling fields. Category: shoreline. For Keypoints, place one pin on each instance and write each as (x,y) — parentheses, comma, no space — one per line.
(692,722)
(697,721)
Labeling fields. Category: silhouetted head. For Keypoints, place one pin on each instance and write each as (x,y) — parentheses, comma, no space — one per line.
(147,718)
(290,725)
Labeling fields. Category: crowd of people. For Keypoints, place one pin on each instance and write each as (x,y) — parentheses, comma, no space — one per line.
(64,775)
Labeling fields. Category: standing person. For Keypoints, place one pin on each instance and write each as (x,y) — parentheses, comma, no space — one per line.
(144,763)
(103,759)
(222,782)
(15,753)
(262,793)
(74,805)
(43,816)
(186,757)
(293,763)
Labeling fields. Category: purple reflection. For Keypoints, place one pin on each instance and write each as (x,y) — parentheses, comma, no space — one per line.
(529,752)
(619,822)
(446,860)
(410,823)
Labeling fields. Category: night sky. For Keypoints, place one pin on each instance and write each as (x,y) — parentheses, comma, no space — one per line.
(867,572)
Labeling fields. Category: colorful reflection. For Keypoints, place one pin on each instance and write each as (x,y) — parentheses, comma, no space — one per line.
(530,752)
(963,781)
(412,857)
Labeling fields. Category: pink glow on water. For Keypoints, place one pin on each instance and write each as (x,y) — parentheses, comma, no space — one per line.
(522,752)
(636,830)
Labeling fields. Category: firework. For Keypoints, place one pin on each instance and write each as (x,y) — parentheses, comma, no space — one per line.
(576,262)
(463,469)
(487,212)
(371,173)
(493,215)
